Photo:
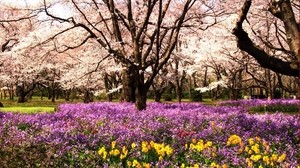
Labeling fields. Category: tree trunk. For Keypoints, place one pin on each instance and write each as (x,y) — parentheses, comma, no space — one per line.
(53,95)
(157,96)
(128,91)
(67,94)
(11,92)
(22,92)
(179,93)
(108,86)
(88,97)
(22,98)
(141,98)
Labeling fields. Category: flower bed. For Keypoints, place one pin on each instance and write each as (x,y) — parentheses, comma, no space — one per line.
(164,135)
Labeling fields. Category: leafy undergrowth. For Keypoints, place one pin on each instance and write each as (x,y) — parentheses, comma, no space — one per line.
(164,135)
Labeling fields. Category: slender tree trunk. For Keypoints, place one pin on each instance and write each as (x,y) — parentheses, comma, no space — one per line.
(67,94)
(53,95)
(157,96)
(49,92)
(179,93)
(108,86)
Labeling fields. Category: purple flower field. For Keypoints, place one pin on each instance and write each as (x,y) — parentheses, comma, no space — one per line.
(164,135)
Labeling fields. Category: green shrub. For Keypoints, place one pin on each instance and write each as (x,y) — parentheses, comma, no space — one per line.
(196,96)
(285,108)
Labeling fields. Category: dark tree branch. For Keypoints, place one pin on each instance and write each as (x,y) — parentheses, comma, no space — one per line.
(263,58)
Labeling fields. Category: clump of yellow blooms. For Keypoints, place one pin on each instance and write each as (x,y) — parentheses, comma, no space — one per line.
(256,151)
(161,149)
(102,152)
(234,140)
(200,145)
(259,153)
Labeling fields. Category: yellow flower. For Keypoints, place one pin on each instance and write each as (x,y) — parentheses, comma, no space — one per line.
(182,165)
(214,165)
(255,148)
(265,144)
(257,139)
(196,166)
(152,144)
(113,144)
(160,158)
(240,150)
(102,152)
(249,163)
(146,165)
(135,163)
(266,159)
(260,166)
(194,140)
(255,158)
(114,152)
(145,147)
(186,146)
(234,140)
(129,163)
(225,166)
(169,150)
(246,148)
(124,153)
(124,150)
(209,144)
(122,156)
(274,157)
(251,141)
(213,154)
(281,158)
(133,145)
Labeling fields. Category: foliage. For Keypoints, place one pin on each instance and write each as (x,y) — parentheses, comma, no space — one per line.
(163,135)
(196,96)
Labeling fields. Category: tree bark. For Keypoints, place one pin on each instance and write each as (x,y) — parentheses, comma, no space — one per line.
(128,81)
(23,92)
(141,98)
(88,96)
(108,86)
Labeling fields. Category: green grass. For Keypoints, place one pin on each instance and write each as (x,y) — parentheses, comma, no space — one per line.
(28,110)
(288,109)
(34,105)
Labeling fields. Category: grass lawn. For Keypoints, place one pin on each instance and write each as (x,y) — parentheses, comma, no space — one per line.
(34,105)
(28,110)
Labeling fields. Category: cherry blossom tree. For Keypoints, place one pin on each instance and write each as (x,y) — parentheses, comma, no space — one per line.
(141,35)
